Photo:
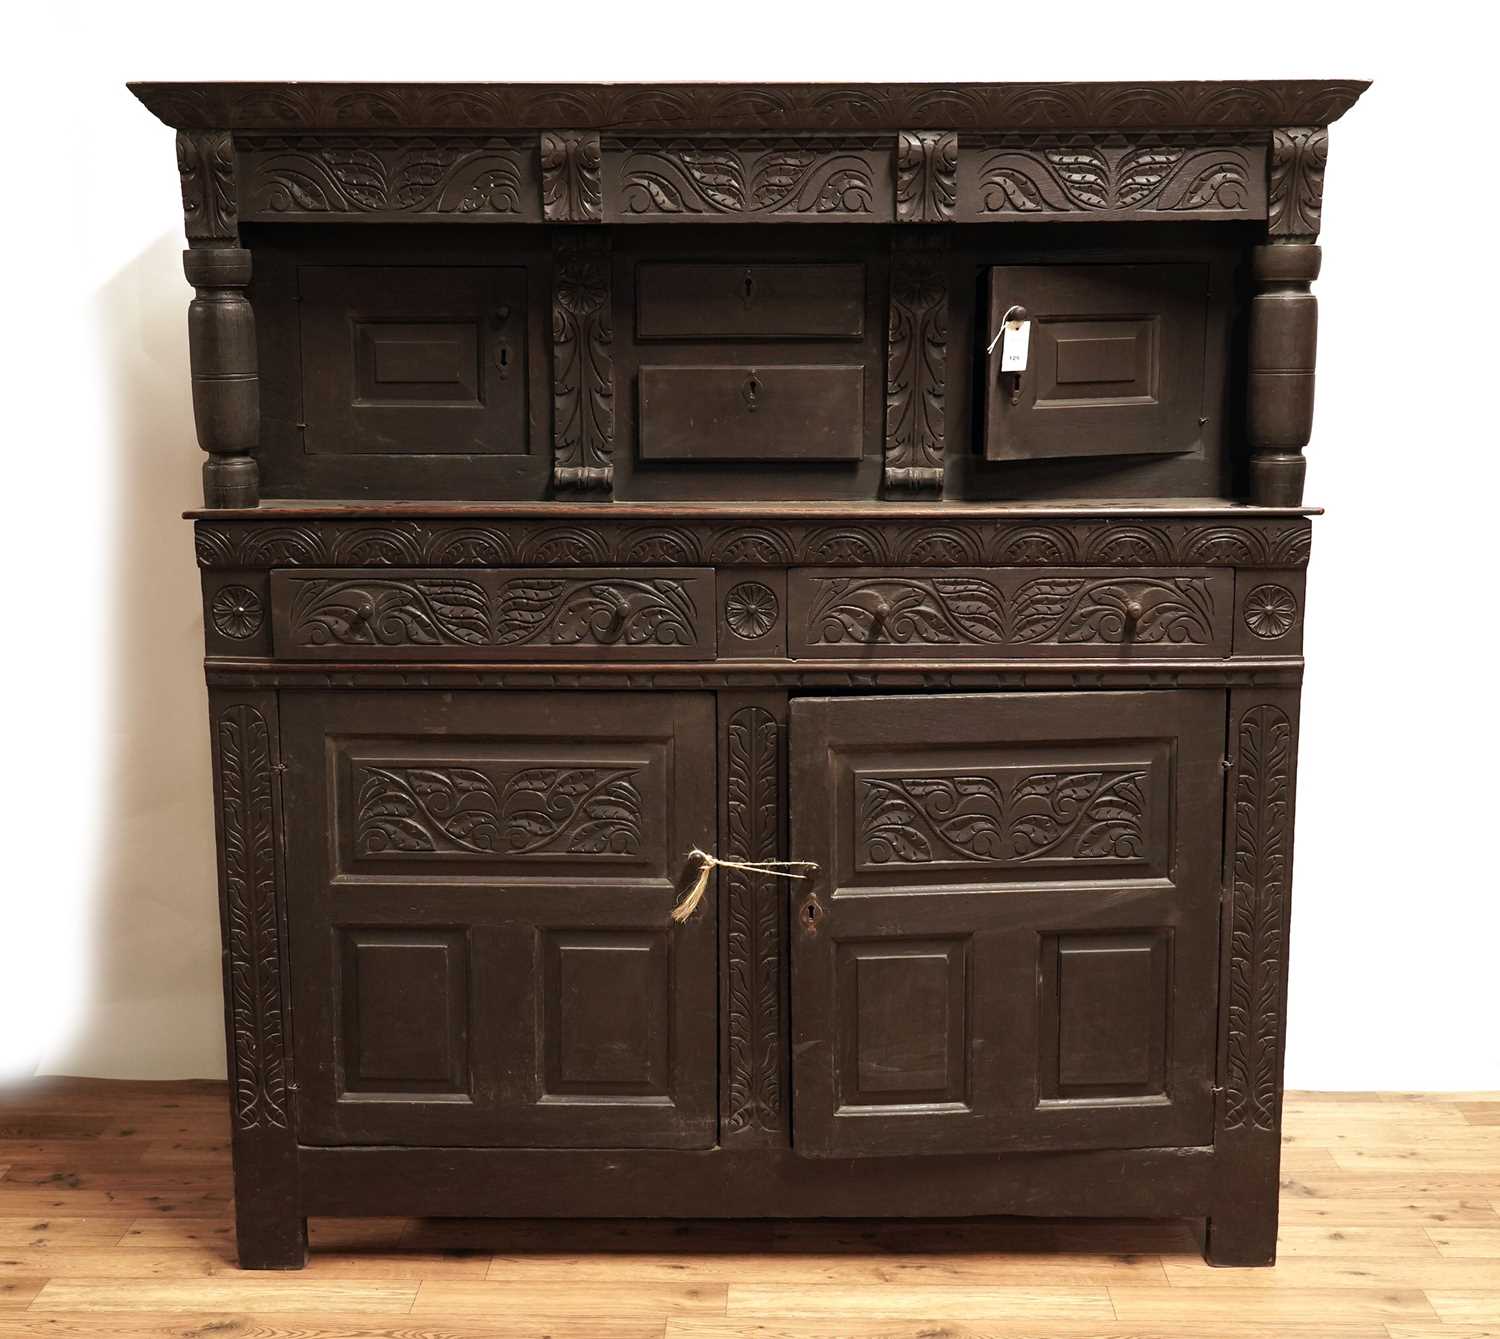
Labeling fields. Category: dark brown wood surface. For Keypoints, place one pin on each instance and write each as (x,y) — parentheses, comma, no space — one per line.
(578,495)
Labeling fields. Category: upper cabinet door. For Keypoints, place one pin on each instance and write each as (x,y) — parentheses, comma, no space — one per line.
(1115,367)
(479,905)
(1011,938)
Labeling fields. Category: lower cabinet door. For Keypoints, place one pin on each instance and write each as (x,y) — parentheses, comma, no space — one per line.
(480,887)
(1011,941)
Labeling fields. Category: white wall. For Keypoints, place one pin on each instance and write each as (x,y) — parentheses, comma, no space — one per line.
(108,945)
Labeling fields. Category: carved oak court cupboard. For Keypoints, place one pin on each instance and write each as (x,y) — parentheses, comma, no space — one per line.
(598,474)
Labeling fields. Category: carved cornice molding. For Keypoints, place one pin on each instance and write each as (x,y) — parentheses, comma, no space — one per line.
(891,540)
(674,108)
(1298,158)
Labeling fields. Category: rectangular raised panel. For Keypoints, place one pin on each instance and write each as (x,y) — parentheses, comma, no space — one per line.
(494,614)
(411,360)
(755,301)
(752,412)
(1008,612)
(1116,365)
(903,1022)
(1104,1015)
(607,1027)
(1067,811)
(405,1018)
(1014,939)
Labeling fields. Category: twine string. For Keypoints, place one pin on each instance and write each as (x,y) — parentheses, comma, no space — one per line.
(777,869)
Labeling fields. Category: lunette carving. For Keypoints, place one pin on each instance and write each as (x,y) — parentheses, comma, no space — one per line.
(571,188)
(1299,156)
(916,370)
(755,912)
(926,176)
(1262,841)
(460,810)
(397,176)
(696,177)
(1003,817)
(205,166)
(583,406)
(252,917)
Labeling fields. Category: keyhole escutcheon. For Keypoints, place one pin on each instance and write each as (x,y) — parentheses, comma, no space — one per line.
(751,392)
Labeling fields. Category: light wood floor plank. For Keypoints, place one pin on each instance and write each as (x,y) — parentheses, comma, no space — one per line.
(620,1300)
(1300,1307)
(923,1302)
(1466,1243)
(231,1324)
(252,1293)
(1468,1306)
(1213,1326)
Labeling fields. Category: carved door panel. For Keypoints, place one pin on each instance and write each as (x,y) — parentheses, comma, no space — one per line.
(479,896)
(1011,941)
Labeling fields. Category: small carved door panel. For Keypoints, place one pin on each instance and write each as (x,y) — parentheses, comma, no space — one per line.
(1012,938)
(479,896)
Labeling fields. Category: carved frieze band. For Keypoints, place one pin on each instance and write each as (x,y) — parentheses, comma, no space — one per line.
(583,392)
(1299,156)
(755,911)
(210,202)
(734,542)
(916,370)
(252,916)
(922,176)
(1260,885)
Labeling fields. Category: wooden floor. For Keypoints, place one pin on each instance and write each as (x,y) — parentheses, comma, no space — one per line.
(115,1220)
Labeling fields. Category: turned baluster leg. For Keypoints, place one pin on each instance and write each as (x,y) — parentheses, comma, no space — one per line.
(1283,359)
(226,387)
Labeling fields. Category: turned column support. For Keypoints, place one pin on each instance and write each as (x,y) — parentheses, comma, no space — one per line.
(1283,362)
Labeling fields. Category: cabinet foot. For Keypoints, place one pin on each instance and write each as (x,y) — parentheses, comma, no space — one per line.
(1241,1239)
(271,1241)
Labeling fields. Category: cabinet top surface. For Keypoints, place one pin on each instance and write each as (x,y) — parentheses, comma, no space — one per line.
(687,107)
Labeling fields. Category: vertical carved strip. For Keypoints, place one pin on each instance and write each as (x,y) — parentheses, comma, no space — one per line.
(571,187)
(270,1226)
(583,411)
(926,176)
(1258,876)
(916,371)
(754,916)
(1294,198)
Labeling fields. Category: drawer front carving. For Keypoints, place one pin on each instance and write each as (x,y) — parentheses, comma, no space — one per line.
(493,614)
(754,301)
(1008,612)
(741,412)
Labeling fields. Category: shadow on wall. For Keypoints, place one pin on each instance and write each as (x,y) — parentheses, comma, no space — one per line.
(152,1008)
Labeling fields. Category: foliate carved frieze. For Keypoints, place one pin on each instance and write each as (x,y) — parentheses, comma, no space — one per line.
(450,176)
(916,370)
(1299,156)
(583,392)
(469,809)
(490,613)
(1003,816)
(1260,886)
(926,176)
(1114,176)
(703,180)
(210,201)
(571,189)
(755,913)
(896,539)
(653,108)
(252,916)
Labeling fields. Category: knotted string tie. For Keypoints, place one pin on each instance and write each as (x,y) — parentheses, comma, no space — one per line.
(777,869)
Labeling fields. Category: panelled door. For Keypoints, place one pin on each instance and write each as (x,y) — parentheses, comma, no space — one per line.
(479,896)
(1011,941)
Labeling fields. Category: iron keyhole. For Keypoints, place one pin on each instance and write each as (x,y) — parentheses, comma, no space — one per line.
(749,290)
(751,392)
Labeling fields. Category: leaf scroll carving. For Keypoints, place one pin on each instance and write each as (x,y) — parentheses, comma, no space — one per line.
(916,370)
(926,176)
(1299,157)
(583,406)
(210,202)
(252,917)
(571,188)
(696,178)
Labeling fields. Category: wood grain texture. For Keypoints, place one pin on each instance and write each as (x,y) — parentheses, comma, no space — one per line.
(1365,1252)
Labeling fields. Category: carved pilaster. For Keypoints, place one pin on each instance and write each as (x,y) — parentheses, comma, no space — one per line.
(210,205)
(926,176)
(571,188)
(271,1230)
(754,914)
(916,369)
(583,409)
(1258,881)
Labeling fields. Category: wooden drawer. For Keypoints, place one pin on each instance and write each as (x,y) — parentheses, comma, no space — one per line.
(752,413)
(756,301)
(493,614)
(1008,612)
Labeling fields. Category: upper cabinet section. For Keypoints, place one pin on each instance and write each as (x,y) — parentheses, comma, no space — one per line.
(622,313)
